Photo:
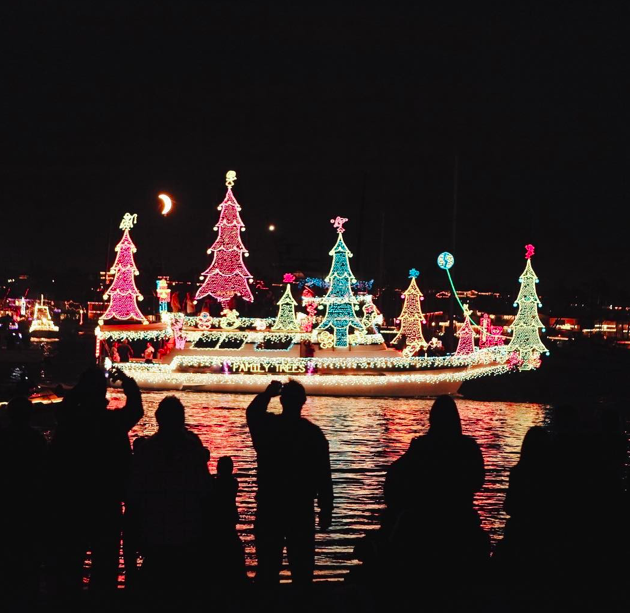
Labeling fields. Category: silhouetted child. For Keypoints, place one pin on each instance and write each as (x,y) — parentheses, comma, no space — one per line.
(225,491)
(230,559)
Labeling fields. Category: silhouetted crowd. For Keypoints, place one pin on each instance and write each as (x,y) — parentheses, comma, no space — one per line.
(88,497)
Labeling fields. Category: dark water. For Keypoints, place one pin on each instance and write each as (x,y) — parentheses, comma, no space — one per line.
(365,436)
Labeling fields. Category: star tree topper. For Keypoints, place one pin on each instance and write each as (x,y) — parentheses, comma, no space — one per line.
(414,273)
(529,251)
(338,223)
(128,221)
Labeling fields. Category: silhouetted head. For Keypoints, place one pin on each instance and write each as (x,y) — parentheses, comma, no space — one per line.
(225,466)
(92,387)
(536,445)
(292,398)
(19,411)
(444,418)
(170,414)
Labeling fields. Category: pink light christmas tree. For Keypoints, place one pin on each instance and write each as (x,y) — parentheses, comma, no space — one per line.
(466,344)
(123,292)
(227,275)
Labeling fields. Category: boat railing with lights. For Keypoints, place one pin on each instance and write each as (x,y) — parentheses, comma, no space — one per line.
(245,359)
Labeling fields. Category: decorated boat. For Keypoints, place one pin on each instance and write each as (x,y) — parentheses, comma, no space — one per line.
(333,346)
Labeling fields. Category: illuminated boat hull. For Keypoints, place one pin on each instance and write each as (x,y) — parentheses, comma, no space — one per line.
(417,384)
(368,370)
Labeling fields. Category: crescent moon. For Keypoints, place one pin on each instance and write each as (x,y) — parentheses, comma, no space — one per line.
(168,203)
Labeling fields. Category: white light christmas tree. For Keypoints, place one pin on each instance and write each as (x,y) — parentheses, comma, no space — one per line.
(227,275)
(411,317)
(526,338)
(286,320)
(340,302)
(123,292)
(466,334)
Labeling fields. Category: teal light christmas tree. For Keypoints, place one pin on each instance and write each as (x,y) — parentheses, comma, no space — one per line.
(340,302)
(286,320)
(526,337)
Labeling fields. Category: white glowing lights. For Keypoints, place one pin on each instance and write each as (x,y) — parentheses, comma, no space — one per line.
(411,317)
(42,321)
(526,338)
(286,312)
(199,360)
(386,384)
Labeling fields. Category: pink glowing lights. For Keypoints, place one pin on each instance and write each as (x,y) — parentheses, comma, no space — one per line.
(529,251)
(123,292)
(227,275)
(466,344)
(489,335)
(338,223)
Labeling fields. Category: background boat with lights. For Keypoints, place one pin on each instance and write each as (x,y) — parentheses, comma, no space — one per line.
(333,347)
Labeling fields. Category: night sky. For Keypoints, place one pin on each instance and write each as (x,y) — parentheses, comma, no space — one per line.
(347,108)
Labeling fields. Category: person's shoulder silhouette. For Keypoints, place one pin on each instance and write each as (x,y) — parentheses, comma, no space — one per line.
(443,467)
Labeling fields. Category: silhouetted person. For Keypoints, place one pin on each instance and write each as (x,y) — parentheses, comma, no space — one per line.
(125,352)
(526,551)
(22,456)
(293,471)
(89,463)
(230,566)
(225,490)
(433,529)
(169,497)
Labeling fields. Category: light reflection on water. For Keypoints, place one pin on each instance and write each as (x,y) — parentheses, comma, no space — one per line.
(365,436)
